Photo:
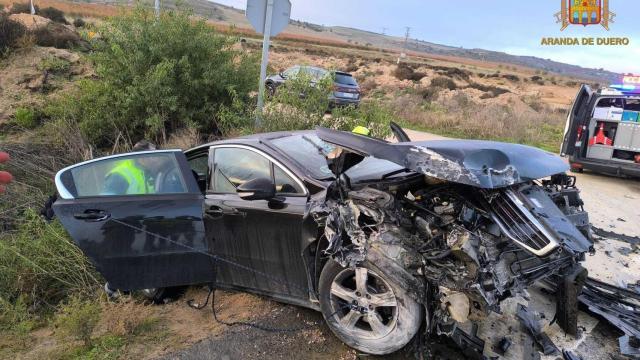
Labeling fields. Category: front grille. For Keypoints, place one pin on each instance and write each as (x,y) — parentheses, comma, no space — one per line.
(519,224)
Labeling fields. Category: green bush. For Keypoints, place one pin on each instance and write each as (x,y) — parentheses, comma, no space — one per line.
(77,318)
(10,32)
(53,14)
(54,65)
(26,118)
(157,76)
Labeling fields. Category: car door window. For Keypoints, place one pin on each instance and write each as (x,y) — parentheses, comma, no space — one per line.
(291,72)
(200,168)
(235,166)
(284,183)
(133,174)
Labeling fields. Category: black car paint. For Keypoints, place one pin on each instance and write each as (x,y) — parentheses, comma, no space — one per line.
(156,241)
(485,164)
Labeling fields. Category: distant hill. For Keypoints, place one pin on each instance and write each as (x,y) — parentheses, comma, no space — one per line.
(223,14)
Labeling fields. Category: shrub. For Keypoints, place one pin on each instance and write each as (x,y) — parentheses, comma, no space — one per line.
(159,76)
(26,118)
(78,22)
(430,93)
(10,33)
(406,72)
(40,261)
(23,8)
(53,14)
(77,318)
(490,90)
(511,77)
(54,65)
(56,35)
(444,82)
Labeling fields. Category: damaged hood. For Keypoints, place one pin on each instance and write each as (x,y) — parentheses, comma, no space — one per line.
(484,164)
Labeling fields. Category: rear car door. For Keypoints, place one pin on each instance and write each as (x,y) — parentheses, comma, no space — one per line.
(148,236)
(574,133)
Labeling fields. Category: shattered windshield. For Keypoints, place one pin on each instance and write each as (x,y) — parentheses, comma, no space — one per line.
(310,152)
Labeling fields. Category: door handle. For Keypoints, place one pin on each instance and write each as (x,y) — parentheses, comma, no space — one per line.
(92,215)
(214,211)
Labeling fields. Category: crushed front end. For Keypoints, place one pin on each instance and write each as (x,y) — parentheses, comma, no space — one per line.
(462,249)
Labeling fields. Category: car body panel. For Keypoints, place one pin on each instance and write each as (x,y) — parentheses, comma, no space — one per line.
(485,164)
(142,241)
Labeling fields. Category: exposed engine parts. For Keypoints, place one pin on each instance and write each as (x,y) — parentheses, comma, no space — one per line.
(473,247)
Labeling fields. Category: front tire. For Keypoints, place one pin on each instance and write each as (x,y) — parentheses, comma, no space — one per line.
(366,310)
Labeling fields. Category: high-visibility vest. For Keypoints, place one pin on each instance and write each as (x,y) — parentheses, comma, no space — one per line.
(134,177)
(360,130)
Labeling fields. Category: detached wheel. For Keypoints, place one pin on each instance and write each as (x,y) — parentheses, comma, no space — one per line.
(366,310)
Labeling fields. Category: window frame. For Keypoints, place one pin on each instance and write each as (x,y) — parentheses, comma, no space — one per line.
(274,162)
(64,192)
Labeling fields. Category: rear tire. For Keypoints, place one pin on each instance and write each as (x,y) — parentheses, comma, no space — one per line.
(271,89)
(366,310)
(163,295)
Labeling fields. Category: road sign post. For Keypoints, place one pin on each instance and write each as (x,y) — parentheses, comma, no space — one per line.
(268,17)
(265,56)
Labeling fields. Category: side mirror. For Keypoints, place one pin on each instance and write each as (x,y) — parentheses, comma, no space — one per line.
(282,75)
(257,189)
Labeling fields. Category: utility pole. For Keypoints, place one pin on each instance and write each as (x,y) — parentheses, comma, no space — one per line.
(33,9)
(157,8)
(406,38)
(384,33)
(406,41)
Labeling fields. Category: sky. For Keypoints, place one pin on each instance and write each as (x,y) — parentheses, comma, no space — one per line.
(515,27)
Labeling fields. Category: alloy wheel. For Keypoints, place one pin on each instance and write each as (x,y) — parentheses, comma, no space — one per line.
(364,303)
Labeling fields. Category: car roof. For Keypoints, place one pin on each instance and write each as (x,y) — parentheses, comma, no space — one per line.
(253,138)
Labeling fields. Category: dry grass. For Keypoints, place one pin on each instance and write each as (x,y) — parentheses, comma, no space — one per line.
(125,316)
(459,116)
(183,139)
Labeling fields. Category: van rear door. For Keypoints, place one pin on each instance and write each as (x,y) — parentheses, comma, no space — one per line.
(575,120)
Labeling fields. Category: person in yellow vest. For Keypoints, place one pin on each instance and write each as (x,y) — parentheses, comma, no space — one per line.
(361,130)
(132,177)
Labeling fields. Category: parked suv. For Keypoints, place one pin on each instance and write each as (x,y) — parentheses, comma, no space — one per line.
(602,132)
(345,89)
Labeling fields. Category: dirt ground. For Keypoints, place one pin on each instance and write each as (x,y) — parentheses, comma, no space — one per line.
(612,204)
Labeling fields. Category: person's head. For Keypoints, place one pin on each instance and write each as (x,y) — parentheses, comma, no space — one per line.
(144,145)
(149,163)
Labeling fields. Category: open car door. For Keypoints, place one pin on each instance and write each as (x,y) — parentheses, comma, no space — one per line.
(146,236)
(575,120)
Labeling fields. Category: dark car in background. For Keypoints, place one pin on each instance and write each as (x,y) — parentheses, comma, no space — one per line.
(346,90)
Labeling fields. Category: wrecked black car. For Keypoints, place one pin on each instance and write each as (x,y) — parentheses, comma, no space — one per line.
(382,238)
